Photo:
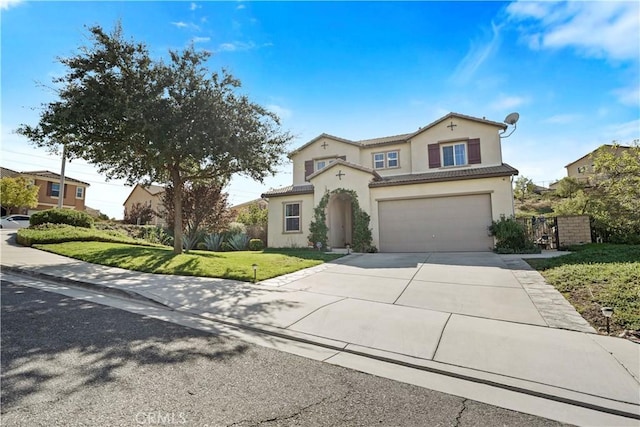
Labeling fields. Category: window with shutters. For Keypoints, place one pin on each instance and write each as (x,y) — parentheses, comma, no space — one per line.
(55,189)
(454,154)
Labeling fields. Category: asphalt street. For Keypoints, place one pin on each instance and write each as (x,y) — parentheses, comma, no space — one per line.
(70,362)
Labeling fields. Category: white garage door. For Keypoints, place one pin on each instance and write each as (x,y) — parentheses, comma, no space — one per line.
(441,224)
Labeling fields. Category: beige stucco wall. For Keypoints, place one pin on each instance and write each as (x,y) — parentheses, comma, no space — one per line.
(490,151)
(140,195)
(353,179)
(315,152)
(573,230)
(277,238)
(498,188)
(404,156)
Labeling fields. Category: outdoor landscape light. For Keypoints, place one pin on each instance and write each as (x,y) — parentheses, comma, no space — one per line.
(348,248)
(255,272)
(607,312)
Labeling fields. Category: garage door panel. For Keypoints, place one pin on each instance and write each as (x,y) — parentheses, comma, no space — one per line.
(441,224)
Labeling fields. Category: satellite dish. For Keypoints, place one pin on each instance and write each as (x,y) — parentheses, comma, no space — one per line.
(512,118)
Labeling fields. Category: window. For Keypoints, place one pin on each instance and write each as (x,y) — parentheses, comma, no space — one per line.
(292,217)
(55,190)
(378,160)
(385,160)
(79,192)
(392,159)
(454,155)
(321,164)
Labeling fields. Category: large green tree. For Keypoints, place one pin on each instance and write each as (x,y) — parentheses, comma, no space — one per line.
(143,119)
(523,188)
(614,198)
(17,192)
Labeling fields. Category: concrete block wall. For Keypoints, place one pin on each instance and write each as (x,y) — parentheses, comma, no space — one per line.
(573,230)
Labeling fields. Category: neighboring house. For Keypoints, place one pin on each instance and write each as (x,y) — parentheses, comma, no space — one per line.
(436,189)
(235,210)
(582,169)
(73,194)
(150,195)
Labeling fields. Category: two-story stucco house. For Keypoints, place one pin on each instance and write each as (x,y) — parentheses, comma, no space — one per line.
(436,189)
(73,194)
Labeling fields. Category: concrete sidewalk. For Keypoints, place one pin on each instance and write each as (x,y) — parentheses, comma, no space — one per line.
(472,317)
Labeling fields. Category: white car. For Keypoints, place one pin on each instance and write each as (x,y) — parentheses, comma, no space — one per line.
(14,221)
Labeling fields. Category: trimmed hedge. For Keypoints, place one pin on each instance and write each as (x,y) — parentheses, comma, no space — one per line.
(60,233)
(62,216)
(256,245)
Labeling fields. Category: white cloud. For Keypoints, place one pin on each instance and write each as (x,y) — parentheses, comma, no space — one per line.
(506,102)
(623,132)
(477,55)
(241,6)
(628,95)
(182,24)
(6,4)
(594,29)
(237,46)
(283,113)
(562,119)
(201,39)
(194,6)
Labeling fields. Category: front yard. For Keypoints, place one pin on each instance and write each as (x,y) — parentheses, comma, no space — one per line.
(162,260)
(595,276)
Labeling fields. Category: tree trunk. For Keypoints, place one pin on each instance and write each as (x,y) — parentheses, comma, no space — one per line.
(177,209)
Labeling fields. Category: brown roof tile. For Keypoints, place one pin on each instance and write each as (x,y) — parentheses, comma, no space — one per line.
(289,190)
(446,175)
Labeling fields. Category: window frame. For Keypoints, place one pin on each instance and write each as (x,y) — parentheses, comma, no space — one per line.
(54,184)
(385,160)
(453,146)
(81,190)
(285,217)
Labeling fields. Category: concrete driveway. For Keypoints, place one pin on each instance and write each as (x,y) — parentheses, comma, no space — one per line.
(474,284)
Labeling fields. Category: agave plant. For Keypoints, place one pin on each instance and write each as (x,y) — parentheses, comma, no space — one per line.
(213,241)
(238,241)
(191,239)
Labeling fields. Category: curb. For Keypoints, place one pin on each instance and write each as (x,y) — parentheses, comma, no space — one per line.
(86,285)
(336,346)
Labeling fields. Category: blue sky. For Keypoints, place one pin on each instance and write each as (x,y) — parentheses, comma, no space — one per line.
(359,70)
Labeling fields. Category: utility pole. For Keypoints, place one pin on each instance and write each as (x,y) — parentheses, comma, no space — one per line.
(61,193)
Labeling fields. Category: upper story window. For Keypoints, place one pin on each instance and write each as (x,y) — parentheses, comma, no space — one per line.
(385,160)
(55,190)
(454,154)
(79,192)
(321,164)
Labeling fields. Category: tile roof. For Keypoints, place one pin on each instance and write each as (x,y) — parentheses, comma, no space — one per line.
(53,175)
(289,190)
(446,175)
(340,162)
(396,139)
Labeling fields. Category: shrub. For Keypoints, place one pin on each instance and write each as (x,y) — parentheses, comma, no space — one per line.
(190,240)
(60,233)
(238,242)
(236,228)
(201,246)
(256,245)
(213,241)
(225,247)
(62,216)
(511,237)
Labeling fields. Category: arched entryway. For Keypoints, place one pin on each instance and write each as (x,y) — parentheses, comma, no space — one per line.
(340,220)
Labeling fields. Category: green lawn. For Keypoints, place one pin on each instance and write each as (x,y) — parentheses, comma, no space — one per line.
(227,265)
(595,276)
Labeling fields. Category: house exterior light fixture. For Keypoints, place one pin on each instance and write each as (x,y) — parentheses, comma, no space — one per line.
(255,271)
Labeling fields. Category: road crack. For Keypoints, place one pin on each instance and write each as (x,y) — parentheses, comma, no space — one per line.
(459,416)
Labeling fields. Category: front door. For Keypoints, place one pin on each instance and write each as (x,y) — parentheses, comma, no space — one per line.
(339,220)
